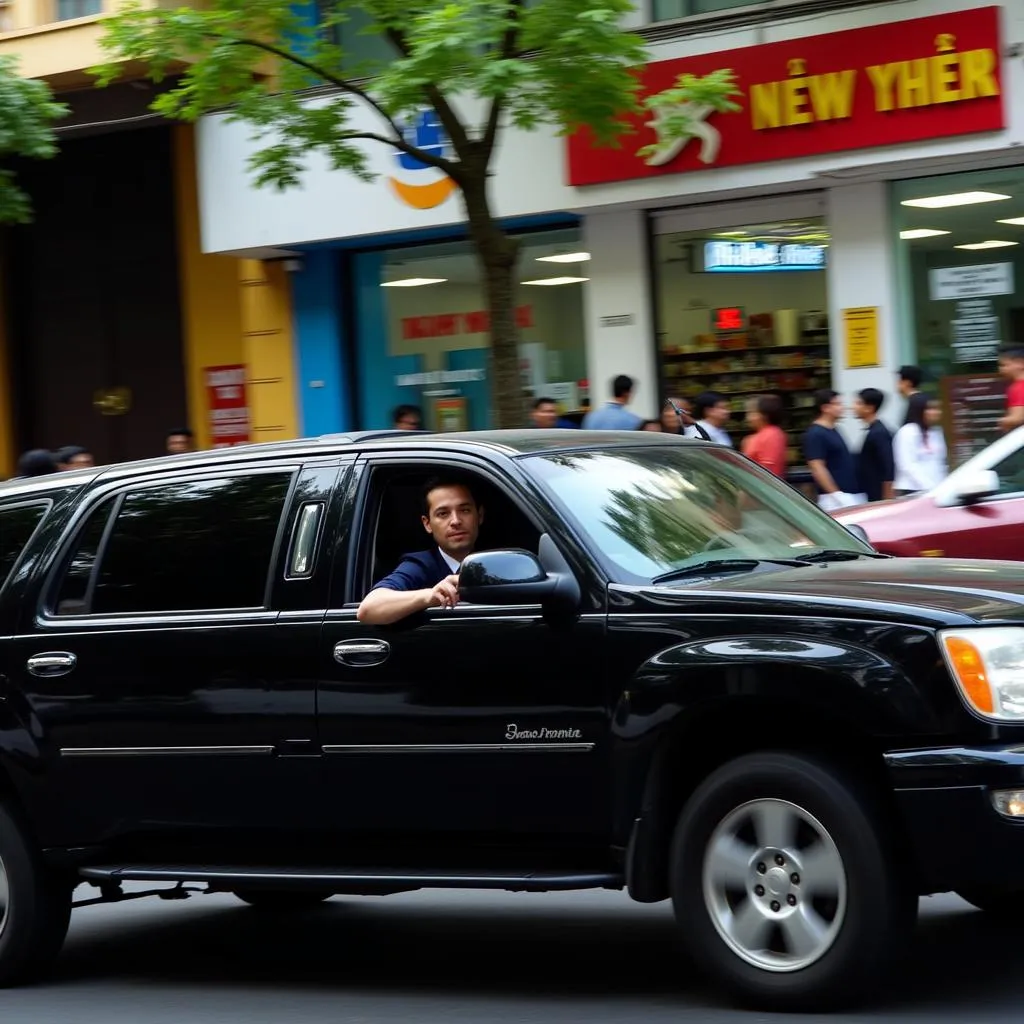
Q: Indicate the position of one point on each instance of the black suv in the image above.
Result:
(668, 672)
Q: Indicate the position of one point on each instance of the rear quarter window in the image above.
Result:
(18, 524)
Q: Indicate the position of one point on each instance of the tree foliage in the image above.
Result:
(481, 65)
(27, 115)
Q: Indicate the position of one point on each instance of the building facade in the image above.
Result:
(864, 210)
(115, 326)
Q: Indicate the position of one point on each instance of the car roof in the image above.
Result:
(512, 443)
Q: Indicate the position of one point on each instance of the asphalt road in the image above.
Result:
(454, 957)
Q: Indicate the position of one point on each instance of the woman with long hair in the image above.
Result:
(919, 448)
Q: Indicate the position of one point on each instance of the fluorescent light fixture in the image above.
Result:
(557, 280)
(412, 282)
(1017, 221)
(954, 199)
(566, 257)
(992, 243)
(922, 233)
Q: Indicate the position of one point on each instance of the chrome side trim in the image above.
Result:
(159, 751)
(458, 748)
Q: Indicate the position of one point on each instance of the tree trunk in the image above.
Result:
(498, 255)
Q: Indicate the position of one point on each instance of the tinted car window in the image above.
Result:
(659, 509)
(16, 528)
(74, 589)
(200, 544)
(1011, 473)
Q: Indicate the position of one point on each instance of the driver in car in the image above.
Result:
(430, 578)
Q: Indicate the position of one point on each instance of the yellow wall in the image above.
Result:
(233, 311)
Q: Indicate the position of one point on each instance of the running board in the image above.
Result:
(347, 878)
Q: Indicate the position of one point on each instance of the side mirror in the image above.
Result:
(516, 576)
(859, 532)
(981, 484)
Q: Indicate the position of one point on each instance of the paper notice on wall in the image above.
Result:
(228, 405)
(976, 331)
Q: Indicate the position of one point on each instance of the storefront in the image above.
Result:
(764, 255)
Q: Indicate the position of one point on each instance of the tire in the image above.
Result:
(37, 910)
(998, 903)
(278, 900)
(852, 887)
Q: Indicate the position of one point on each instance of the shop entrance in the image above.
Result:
(741, 306)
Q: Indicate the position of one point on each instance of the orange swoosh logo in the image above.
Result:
(423, 197)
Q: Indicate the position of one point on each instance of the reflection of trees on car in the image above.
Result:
(664, 529)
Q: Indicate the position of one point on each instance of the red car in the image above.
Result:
(976, 512)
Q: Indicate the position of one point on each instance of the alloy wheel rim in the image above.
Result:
(774, 885)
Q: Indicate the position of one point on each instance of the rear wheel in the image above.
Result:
(281, 899)
(35, 906)
(783, 886)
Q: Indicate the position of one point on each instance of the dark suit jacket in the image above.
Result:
(417, 571)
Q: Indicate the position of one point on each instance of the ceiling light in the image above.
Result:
(954, 199)
(412, 282)
(922, 233)
(557, 280)
(992, 243)
(1018, 221)
(731, 234)
(566, 257)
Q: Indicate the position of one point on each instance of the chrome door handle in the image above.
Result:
(53, 663)
(361, 653)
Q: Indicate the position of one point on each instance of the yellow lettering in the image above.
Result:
(794, 102)
(764, 106)
(882, 78)
(978, 74)
(832, 95)
(912, 84)
(945, 78)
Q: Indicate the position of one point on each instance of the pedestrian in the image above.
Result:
(713, 413)
(920, 448)
(875, 467)
(37, 462)
(768, 445)
(908, 382)
(407, 417)
(74, 456)
(614, 415)
(1011, 366)
(828, 458)
(180, 440)
(652, 425)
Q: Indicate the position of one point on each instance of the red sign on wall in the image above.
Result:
(878, 86)
(447, 325)
(228, 405)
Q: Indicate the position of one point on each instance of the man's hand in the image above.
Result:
(445, 594)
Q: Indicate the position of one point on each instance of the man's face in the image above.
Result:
(861, 409)
(669, 419)
(903, 386)
(454, 520)
(545, 415)
(83, 460)
(1010, 368)
(408, 421)
(718, 415)
(834, 408)
(178, 443)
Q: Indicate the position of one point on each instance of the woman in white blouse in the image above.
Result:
(919, 448)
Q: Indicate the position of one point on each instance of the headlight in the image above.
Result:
(988, 665)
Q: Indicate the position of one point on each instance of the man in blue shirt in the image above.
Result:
(829, 460)
(615, 415)
(429, 579)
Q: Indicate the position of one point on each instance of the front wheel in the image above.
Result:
(35, 906)
(783, 885)
(278, 900)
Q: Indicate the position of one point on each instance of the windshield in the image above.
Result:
(652, 511)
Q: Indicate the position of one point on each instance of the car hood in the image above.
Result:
(929, 589)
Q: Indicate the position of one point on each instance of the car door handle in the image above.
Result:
(361, 653)
(53, 663)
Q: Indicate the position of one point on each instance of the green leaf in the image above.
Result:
(27, 115)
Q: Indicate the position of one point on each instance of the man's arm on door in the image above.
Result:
(384, 604)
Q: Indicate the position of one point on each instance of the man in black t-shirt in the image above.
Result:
(876, 469)
(828, 458)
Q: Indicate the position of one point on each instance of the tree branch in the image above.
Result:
(450, 167)
(343, 84)
(508, 49)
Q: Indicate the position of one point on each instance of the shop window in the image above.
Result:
(960, 264)
(669, 10)
(742, 312)
(423, 330)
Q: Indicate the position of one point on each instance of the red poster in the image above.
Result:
(228, 404)
(883, 85)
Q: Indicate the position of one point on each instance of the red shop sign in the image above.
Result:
(878, 86)
(228, 405)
